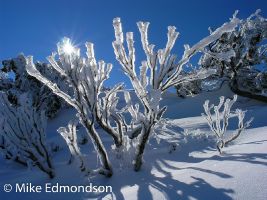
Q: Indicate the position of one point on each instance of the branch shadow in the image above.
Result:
(254, 142)
(166, 186)
(145, 183)
(165, 183)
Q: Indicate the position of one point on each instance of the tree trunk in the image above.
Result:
(117, 139)
(235, 88)
(140, 149)
(107, 169)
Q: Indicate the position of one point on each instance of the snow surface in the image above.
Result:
(194, 170)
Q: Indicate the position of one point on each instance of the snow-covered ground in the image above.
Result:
(194, 170)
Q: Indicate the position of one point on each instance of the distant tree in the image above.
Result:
(42, 97)
(240, 57)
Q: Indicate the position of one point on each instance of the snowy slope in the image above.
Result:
(193, 171)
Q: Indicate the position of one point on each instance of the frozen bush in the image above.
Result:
(158, 72)
(218, 120)
(97, 106)
(86, 76)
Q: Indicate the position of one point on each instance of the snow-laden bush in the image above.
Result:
(85, 76)
(218, 120)
(6, 150)
(22, 134)
(160, 71)
(69, 134)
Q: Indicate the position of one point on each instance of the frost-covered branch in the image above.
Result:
(189, 52)
(218, 120)
(32, 70)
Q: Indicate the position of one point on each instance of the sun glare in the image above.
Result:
(68, 48)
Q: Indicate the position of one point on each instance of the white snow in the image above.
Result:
(194, 170)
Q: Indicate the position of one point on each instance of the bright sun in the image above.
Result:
(68, 48)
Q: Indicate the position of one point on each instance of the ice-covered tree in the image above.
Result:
(218, 120)
(158, 72)
(22, 134)
(240, 57)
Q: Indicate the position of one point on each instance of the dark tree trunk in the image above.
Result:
(141, 147)
(235, 88)
(107, 169)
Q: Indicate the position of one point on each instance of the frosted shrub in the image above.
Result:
(159, 71)
(85, 76)
(22, 134)
(218, 120)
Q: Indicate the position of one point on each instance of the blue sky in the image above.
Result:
(35, 26)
